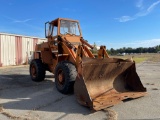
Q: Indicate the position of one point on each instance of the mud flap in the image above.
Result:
(102, 83)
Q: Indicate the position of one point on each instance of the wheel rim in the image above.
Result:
(33, 71)
(61, 77)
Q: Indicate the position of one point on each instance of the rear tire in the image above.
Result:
(65, 76)
(37, 71)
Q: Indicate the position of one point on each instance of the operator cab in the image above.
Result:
(62, 27)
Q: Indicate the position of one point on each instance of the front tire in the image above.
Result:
(37, 71)
(65, 76)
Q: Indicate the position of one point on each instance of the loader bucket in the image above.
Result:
(102, 83)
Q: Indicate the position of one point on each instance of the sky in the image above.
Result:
(114, 23)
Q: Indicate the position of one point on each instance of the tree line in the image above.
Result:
(130, 50)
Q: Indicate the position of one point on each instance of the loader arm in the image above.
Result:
(82, 52)
(102, 52)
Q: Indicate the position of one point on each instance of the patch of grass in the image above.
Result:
(139, 60)
(135, 58)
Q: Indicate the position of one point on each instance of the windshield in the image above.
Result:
(69, 27)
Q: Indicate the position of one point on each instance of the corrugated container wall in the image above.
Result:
(16, 49)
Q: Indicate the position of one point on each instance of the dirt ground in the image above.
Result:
(23, 99)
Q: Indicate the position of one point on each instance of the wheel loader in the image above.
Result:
(97, 82)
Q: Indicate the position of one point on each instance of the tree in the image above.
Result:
(94, 50)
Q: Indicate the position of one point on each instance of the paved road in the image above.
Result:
(20, 98)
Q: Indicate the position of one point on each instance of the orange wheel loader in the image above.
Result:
(97, 82)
